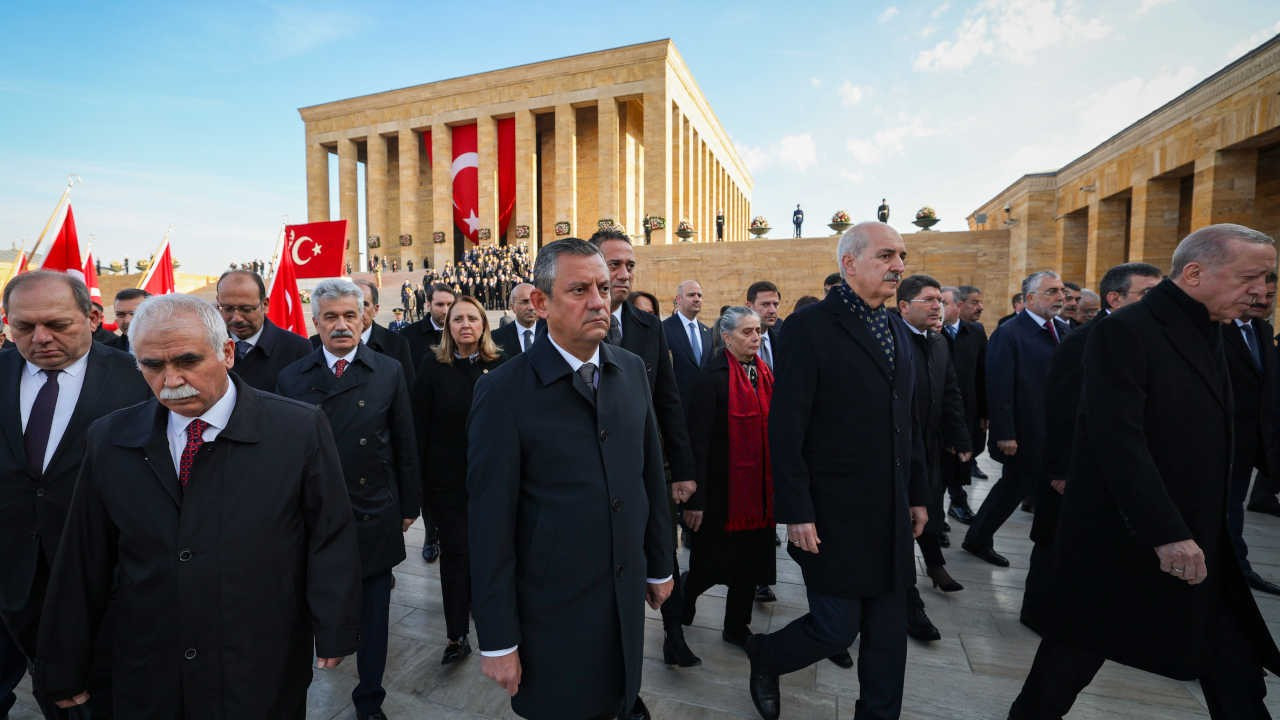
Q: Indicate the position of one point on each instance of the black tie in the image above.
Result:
(528, 340)
(242, 348)
(40, 421)
(951, 331)
(614, 337)
(1252, 341)
(587, 371)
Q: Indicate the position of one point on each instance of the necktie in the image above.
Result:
(614, 337)
(950, 330)
(195, 438)
(765, 353)
(528, 340)
(242, 348)
(695, 343)
(1251, 340)
(587, 371)
(1053, 331)
(340, 367)
(39, 422)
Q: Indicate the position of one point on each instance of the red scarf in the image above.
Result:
(750, 473)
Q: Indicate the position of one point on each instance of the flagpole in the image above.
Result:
(66, 192)
(151, 265)
(275, 256)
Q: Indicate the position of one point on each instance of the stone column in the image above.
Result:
(607, 205)
(679, 169)
(375, 196)
(1153, 222)
(657, 159)
(317, 182)
(1225, 186)
(567, 169)
(1105, 242)
(410, 153)
(441, 193)
(487, 149)
(527, 178)
(348, 207)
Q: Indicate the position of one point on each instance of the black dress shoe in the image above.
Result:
(375, 715)
(989, 554)
(946, 526)
(777, 541)
(920, 627)
(456, 650)
(764, 593)
(1028, 506)
(842, 659)
(639, 711)
(676, 652)
(765, 694)
(1261, 584)
(976, 472)
(961, 514)
(736, 637)
(942, 579)
(431, 552)
(1266, 505)
(944, 540)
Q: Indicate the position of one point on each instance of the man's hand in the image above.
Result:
(73, 701)
(965, 456)
(406, 523)
(693, 519)
(919, 518)
(1184, 560)
(804, 536)
(1059, 485)
(657, 593)
(327, 663)
(504, 670)
(1008, 447)
(683, 490)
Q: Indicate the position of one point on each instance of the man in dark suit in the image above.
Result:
(968, 340)
(576, 502)
(688, 338)
(364, 395)
(642, 334)
(515, 337)
(1143, 570)
(1018, 302)
(214, 522)
(58, 381)
(849, 474)
(1122, 285)
(125, 304)
(381, 339)
(1018, 358)
(262, 348)
(764, 297)
(425, 334)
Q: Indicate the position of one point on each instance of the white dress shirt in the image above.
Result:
(330, 359)
(617, 314)
(252, 339)
(216, 416)
(368, 333)
(70, 381)
(521, 330)
(766, 344)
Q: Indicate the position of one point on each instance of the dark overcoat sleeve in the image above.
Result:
(918, 492)
(795, 382)
(670, 414)
(1062, 399)
(658, 534)
(701, 409)
(980, 376)
(406, 360)
(1002, 379)
(404, 438)
(423, 395)
(333, 558)
(955, 431)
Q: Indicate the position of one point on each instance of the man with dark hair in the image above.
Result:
(1071, 295)
(1017, 301)
(100, 334)
(425, 334)
(829, 282)
(764, 298)
(263, 349)
(126, 303)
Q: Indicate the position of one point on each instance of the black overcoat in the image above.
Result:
(221, 592)
(1018, 357)
(847, 452)
(686, 369)
(940, 411)
(275, 349)
(441, 401)
(1151, 466)
(642, 334)
(569, 516)
(421, 336)
(969, 354)
(744, 557)
(1252, 388)
(372, 422)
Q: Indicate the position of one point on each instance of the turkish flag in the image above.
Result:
(91, 279)
(284, 306)
(466, 181)
(159, 277)
(64, 254)
(506, 173)
(315, 249)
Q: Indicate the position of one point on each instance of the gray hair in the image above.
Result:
(733, 317)
(1086, 293)
(511, 296)
(544, 268)
(1208, 245)
(80, 293)
(855, 240)
(333, 289)
(1033, 281)
(964, 291)
(161, 309)
(955, 292)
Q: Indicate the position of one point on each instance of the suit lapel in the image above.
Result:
(856, 329)
(1187, 341)
(95, 381)
(681, 344)
(144, 428)
(11, 415)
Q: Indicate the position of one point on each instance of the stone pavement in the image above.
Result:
(975, 671)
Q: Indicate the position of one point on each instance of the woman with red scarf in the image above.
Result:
(732, 511)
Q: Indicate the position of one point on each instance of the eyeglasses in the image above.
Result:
(927, 301)
(242, 309)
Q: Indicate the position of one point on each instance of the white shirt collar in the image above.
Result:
(218, 414)
(955, 325)
(254, 338)
(364, 336)
(574, 362)
(1242, 323)
(684, 321)
(75, 369)
(1039, 320)
(913, 329)
(330, 359)
(526, 327)
(618, 314)
(434, 326)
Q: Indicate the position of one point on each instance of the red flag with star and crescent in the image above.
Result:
(466, 181)
(284, 306)
(315, 249)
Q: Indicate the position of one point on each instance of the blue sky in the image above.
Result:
(186, 114)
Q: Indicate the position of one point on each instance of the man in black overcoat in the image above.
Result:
(364, 395)
(514, 336)
(425, 334)
(1122, 285)
(968, 340)
(262, 348)
(214, 522)
(377, 337)
(1143, 570)
(848, 473)
(574, 502)
(686, 360)
(1018, 358)
(44, 440)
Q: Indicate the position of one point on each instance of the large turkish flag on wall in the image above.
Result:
(466, 181)
(506, 173)
(316, 248)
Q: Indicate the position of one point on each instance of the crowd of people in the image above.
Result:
(191, 523)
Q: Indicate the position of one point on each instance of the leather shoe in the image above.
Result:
(920, 627)
(676, 652)
(1261, 584)
(431, 552)
(942, 579)
(765, 693)
(842, 659)
(764, 594)
(639, 711)
(976, 472)
(777, 540)
(961, 514)
(988, 553)
(1029, 506)
(944, 540)
(1266, 505)
(456, 650)
(375, 715)
(738, 637)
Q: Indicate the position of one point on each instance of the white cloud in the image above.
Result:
(888, 14)
(850, 94)
(794, 152)
(927, 30)
(888, 142)
(1147, 6)
(940, 10)
(1251, 42)
(1011, 30)
(853, 177)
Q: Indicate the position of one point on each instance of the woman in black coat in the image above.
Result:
(732, 511)
(441, 402)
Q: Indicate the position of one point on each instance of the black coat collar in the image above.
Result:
(1192, 333)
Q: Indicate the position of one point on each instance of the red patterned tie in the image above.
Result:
(1053, 331)
(195, 438)
(340, 367)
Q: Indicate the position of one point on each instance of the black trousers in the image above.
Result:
(831, 626)
(371, 656)
(1005, 496)
(13, 665)
(956, 475)
(737, 604)
(673, 609)
(455, 571)
(1233, 682)
(1241, 474)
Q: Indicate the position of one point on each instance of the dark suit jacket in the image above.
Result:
(421, 336)
(103, 336)
(118, 342)
(1018, 357)
(682, 362)
(576, 506)
(940, 411)
(847, 452)
(369, 412)
(1253, 388)
(388, 343)
(34, 509)
(220, 592)
(642, 334)
(275, 349)
(1151, 466)
(969, 353)
(508, 338)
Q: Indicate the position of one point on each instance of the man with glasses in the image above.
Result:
(262, 348)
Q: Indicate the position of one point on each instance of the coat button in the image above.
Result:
(897, 463)
(604, 434)
(895, 396)
(616, 504)
(363, 480)
(368, 518)
(359, 403)
(190, 654)
(897, 429)
(619, 570)
(184, 555)
(364, 441)
(39, 492)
